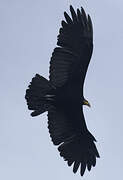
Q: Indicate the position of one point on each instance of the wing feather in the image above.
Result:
(67, 17)
(67, 129)
(74, 17)
(76, 166)
(76, 41)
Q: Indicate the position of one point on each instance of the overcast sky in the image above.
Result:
(28, 31)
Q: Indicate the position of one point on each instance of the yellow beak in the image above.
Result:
(85, 102)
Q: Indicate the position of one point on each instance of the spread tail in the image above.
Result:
(37, 95)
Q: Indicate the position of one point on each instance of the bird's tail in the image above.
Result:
(37, 95)
(80, 150)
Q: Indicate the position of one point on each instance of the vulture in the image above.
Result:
(62, 95)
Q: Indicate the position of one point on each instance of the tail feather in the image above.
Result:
(36, 95)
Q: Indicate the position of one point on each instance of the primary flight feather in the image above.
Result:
(62, 95)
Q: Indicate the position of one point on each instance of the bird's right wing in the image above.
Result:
(76, 143)
(64, 66)
(71, 59)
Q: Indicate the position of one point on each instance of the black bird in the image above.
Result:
(62, 95)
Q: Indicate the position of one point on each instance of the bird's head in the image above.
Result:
(85, 102)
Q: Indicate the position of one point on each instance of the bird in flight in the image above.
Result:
(62, 95)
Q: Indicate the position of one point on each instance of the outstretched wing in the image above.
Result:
(71, 59)
(76, 144)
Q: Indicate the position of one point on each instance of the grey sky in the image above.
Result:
(28, 31)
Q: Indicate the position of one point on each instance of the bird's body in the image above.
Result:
(62, 95)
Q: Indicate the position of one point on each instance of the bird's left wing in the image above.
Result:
(71, 59)
(67, 129)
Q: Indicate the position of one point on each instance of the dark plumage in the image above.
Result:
(62, 95)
